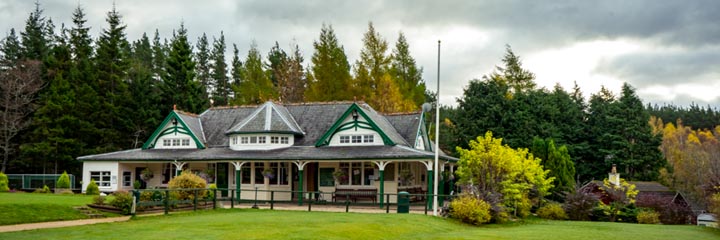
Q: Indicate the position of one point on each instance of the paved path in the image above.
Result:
(58, 224)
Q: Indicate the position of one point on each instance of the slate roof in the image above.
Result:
(309, 121)
(193, 123)
(406, 124)
(269, 118)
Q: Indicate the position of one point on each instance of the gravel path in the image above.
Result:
(58, 224)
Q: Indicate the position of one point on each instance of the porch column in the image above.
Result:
(301, 167)
(238, 166)
(452, 178)
(178, 167)
(381, 165)
(429, 178)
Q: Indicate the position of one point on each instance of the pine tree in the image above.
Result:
(639, 152)
(330, 76)
(179, 87)
(255, 86)
(202, 64)
(112, 65)
(221, 91)
(160, 52)
(405, 71)
(236, 67)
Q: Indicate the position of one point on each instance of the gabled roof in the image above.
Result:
(407, 125)
(187, 123)
(268, 118)
(371, 120)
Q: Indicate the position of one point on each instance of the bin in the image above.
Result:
(403, 202)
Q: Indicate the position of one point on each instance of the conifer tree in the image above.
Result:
(405, 71)
(10, 50)
(202, 64)
(330, 78)
(255, 86)
(160, 52)
(112, 66)
(144, 89)
(236, 66)
(291, 77)
(221, 90)
(558, 162)
(275, 58)
(179, 86)
(35, 40)
(372, 66)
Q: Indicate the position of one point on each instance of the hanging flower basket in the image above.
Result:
(146, 174)
(339, 175)
(268, 173)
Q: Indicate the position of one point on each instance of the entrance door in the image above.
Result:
(222, 177)
(138, 173)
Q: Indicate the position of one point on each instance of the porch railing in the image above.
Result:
(167, 200)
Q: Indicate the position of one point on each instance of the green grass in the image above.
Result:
(20, 207)
(266, 224)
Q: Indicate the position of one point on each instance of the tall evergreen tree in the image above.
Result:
(291, 77)
(144, 89)
(330, 76)
(513, 74)
(405, 71)
(112, 65)
(639, 153)
(255, 86)
(160, 53)
(10, 50)
(179, 87)
(202, 64)
(35, 40)
(275, 58)
(236, 67)
(221, 90)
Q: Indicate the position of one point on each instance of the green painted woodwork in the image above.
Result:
(338, 126)
(178, 172)
(237, 184)
(180, 128)
(429, 194)
(441, 188)
(300, 186)
(382, 187)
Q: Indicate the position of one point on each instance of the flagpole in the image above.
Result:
(437, 138)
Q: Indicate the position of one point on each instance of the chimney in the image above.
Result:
(613, 176)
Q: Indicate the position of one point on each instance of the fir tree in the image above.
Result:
(330, 76)
(275, 57)
(221, 90)
(202, 64)
(144, 89)
(112, 66)
(179, 87)
(35, 40)
(160, 52)
(10, 49)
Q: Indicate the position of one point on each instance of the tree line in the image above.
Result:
(65, 93)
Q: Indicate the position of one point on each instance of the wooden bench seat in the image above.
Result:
(353, 194)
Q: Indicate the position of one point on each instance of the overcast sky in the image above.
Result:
(668, 50)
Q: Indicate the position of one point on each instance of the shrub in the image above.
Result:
(4, 183)
(714, 206)
(187, 180)
(45, 189)
(92, 188)
(470, 210)
(136, 184)
(99, 200)
(579, 205)
(670, 213)
(498, 212)
(123, 201)
(63, 181)
(552, 211)
(211, 193)
(648, 217)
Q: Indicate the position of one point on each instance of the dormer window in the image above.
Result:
(258, 141)
(175, 142)
(357, 139)
(284, 140)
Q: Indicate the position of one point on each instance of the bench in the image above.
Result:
(354, 194)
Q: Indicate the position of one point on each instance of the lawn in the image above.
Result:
(268, 224)
(20, 207)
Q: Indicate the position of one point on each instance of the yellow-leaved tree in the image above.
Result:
(492, 168)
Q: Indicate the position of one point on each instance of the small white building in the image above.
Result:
(707, 220)
(292, 147)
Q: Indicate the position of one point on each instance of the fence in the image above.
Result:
(167, 200)
(34, 181)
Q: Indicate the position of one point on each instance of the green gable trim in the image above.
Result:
(423, 134)
(180, 128)
(340, 126)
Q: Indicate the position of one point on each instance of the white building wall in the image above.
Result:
(93, 166)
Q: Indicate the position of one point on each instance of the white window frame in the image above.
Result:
(102, 178)
(274, 140)
(284, 140)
